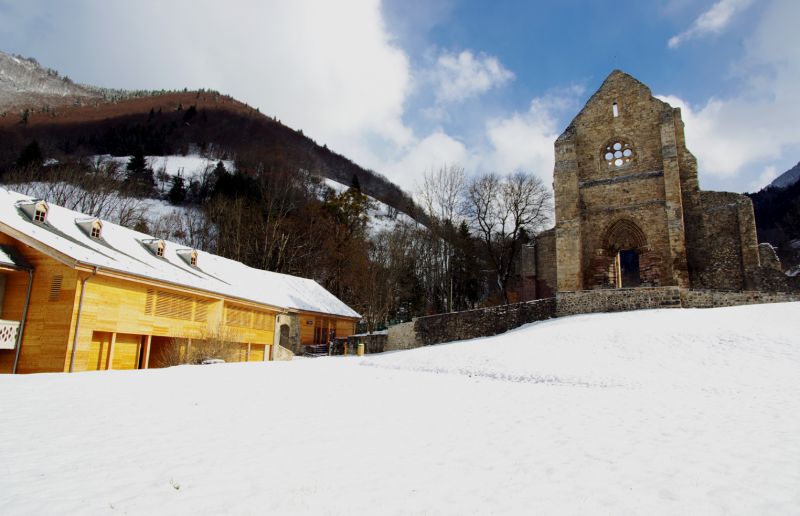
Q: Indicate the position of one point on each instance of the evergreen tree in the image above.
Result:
(139, 175)
(220, 170)
(190, 113)
(31, 156)
(177, 193)
(466, 270)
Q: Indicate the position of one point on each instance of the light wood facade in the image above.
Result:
(126, 322)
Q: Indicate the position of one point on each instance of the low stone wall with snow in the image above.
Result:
(481, 322)
(484, 322)
(716, 298)
(617, 300)
(401, 336)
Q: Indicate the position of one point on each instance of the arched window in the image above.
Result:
(618, 153)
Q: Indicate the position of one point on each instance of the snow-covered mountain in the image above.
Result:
(23, 81)
(788, 178)
(64, 117)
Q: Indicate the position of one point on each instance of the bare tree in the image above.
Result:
(216, 343)
(441, 196)
(505, 211)
(442, 193)
(97, 192)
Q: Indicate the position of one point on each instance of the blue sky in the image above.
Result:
(404, 86)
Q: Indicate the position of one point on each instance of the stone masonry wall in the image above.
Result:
(546, 264)
(715, 253)
(617, 300)
(485, 322)
(481, 322)
(716, 298)
(401, 336)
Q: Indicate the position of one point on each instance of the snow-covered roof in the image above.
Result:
(127, 251)
(9, 257)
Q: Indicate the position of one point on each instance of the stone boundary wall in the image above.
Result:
(401, 336)
(617, 300)
(481, 322)
(717, 298)
(485, 322)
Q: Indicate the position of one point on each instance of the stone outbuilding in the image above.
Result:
(629, 210)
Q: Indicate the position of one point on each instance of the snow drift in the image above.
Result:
(651, 412)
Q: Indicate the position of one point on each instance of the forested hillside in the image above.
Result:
(262, 196)
(778, 220)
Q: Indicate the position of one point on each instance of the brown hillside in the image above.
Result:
(171, 123)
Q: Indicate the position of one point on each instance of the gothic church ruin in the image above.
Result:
(630, 212)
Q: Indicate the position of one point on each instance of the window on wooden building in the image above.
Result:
(40, 212)
(97, 230)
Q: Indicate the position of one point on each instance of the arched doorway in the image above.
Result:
(623, 245)
(284, 337)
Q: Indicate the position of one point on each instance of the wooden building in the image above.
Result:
(79, 294)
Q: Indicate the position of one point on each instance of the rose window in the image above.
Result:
(618, 154)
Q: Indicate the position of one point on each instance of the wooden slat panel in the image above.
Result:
(44, 346)
(126, 351)
(257, 352)
(97, 354)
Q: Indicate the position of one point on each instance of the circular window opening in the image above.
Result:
(618, 154)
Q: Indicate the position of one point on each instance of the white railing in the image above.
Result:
(8, 334)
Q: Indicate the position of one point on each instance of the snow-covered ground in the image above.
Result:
(189, 166)
(656, 412)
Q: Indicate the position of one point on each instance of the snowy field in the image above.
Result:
(657, 412)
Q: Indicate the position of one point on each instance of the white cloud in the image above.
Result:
(759, 125)
(766, 177)
(524, 141)
(519, 141)
(460, 76)
(436, 150)
(713, 21)
(329, 68)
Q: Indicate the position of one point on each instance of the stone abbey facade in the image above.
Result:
(629, 211)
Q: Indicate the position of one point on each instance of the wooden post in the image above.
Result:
(248, 352)
(188, 349)
(148, 339)
(111, 351)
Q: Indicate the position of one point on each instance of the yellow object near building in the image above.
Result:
(81, 294)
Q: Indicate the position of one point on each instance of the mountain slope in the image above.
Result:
(788, 178)
(24, 82)
(70, 121)
(777, 210)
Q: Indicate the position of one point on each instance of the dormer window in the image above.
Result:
(35, 209)
(188, 255)
(91, 226)
(40, 212)
(156, 246)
